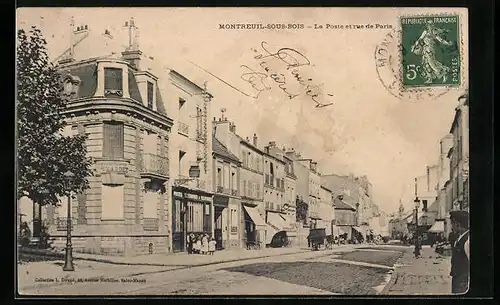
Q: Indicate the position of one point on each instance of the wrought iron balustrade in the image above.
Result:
(155, 164)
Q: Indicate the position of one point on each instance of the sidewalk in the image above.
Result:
(426, 275)
(189, 260)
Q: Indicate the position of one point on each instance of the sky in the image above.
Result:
(366, 131)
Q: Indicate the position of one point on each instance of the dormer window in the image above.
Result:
(113, 82)
(150, 95)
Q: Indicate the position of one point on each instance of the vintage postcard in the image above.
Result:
(242, 151)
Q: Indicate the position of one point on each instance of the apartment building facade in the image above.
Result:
(121, 108)
(275, 194)
(327, 210)
(459, 156)
(227, 199)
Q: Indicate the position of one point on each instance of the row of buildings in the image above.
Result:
(445, 186)
(165, 168)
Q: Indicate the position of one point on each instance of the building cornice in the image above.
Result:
(182, 80)
(274, 157)
(225, 158)
(121, 105)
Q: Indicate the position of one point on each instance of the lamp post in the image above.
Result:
(417, 237)
(68, 259)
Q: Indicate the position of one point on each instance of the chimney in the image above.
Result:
(314, 166)
(107, 34)
(222, 132)
(255, 139)
(132, 54)
(232, 127)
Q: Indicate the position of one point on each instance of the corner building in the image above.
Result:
(121, 108)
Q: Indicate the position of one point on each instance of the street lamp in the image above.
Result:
(68, 259)
(417, 241)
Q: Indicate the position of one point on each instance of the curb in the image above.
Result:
(394, 276)
(181, 266)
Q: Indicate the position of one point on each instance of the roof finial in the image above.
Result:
(222, 110)
(132, 34)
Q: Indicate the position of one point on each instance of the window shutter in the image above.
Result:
(113, 140)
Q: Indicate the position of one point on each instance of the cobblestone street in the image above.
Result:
(346, 270)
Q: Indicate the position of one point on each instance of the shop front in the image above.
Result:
(255, 227)
(192, 213)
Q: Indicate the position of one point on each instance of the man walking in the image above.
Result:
(460, 252)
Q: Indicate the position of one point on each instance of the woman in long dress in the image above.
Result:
(204, 244)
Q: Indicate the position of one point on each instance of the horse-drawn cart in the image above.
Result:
(318, 238)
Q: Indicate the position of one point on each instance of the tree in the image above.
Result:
(301, 210)
(44, 154)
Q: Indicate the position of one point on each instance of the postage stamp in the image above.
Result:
(431, 51)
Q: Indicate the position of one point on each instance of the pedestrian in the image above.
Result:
(204, 244)
(190, 240)
(211, 246)
(460, 253)
(198, 244)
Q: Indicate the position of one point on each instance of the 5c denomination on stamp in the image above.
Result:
(430, 51)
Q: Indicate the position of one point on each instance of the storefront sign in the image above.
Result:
(112, 167)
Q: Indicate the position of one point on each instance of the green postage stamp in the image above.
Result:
(431, 51)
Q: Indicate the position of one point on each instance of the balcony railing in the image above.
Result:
(151, 224)
(154, 164)
(183, 128)
(62, 223)
(223, 190)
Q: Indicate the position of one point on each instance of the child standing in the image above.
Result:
(211, 246)
(198, 245)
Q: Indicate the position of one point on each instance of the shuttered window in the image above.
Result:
(113, 79)
(150, 95)
(113, 140)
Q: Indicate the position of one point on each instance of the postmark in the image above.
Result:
(392, 53)
(430, 50)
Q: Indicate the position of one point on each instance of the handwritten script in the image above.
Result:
(287, 69)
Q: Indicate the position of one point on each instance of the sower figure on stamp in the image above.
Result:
(426, 47)
(460, 252)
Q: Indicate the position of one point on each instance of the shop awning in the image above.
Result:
(438, 227)
(344, 229)
(358, 229)
(255, 216)
(277, 221)
(270, 231)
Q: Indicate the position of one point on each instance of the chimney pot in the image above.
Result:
(86, 27)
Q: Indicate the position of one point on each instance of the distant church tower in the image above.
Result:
(401, 209)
